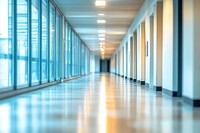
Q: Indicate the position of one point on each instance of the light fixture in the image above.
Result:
(102, 53)
(101, 14)
(101, 31)
(101, 39)
(102, 46)
(102, 43)
(102, 35)
(100, 3)
(101, 21)
(102, 50)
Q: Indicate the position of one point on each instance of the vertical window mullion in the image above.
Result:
(54, 45)
(48, 41)
(40, 41)
(14, 43)
(29, 42)
(71, 52)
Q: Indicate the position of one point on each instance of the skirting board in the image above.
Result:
(192, 102)
(170, 93)
(157, 88)
(142, 82)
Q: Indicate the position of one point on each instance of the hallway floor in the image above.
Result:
(98, 103)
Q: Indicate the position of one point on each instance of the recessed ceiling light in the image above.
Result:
(101, 39)
(102, 49)
(102, 35)
(100, 3)
(101, 21)
(100, 14)
(102, 43)
(101, 31)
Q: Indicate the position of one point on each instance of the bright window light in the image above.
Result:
(100, 3)
(101, 21)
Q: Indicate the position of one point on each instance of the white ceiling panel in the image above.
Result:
(83, 16)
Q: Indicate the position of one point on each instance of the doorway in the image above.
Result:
(105, 65)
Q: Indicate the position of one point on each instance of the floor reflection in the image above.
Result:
(98, 103)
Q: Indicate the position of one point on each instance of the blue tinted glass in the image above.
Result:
(35, 41)
(22, 42)
(52, 43)
(44, 41)
(5, 44)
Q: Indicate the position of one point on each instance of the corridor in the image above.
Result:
(97, 103)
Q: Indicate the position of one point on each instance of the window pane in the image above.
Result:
(22, 42)
(5, 44)
(66, 51)
(83, 60)
(73, 53)
(35, 42)
(69, 52)
(52, 43)
(57, 44)
(44, 40)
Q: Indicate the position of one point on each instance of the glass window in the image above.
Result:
(69, 58)
(73, 53)
(35, 42)
(44, 41)
(79, 56)
(66, 51)
(83, 60)
(58, 17)
(22, 42)
(5, 44)
(52, 43)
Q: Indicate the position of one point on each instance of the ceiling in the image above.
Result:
(83, 16)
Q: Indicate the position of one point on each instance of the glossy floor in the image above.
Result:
(98, 103)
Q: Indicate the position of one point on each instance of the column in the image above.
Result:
(158, 42)
(191, 52)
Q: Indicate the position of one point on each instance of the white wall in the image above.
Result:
(147, 58)
(167, 81)
(128, 58)
(124, 60)
(158, 40)
(165, 45)
(138, 54)
(118, 62)
(131, 56)
(142, 50)
(92, 63)
(191, 49)
(112, 64)
(135, 55)
(97, 64)
(151, 52)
